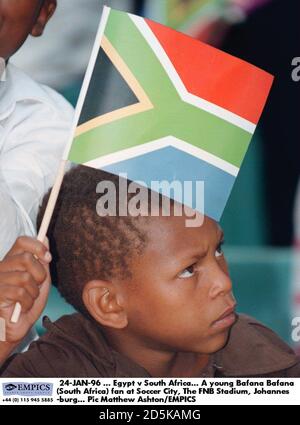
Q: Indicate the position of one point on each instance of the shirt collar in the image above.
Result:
(253, 350)
(2, 69)
(7, 102)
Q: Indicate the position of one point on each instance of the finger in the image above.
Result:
(46, 243)
(22, 280)
(33, 246)
(25, 262)
(49, 258)
(16, 294)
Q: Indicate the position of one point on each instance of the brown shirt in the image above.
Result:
(75, 347)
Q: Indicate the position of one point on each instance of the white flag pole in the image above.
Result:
(45, 222)
(60, 174)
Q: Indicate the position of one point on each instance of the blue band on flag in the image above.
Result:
(159, 165)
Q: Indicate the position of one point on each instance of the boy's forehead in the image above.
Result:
(170, 234)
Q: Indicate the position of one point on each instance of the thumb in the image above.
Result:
(46, 242)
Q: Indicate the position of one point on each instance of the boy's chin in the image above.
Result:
(216, 343)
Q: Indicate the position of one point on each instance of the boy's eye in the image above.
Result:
(187, 272)
(219, 250)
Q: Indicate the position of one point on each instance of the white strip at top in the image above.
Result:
(164, 142)
(187, 97)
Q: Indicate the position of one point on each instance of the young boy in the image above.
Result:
(35, 124)
(154, 298)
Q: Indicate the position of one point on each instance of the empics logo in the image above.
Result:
(10, 387)
(27, 388)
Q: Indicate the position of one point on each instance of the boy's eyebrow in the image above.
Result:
(192, 256)
(198, 255)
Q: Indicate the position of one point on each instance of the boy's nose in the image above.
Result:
(220, 282)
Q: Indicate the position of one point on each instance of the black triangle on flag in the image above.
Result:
(107, 92)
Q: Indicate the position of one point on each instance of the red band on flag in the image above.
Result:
(214, 75)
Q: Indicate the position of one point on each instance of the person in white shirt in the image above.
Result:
(35, 124)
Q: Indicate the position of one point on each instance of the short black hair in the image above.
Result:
(84, 245)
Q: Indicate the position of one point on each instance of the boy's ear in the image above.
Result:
(47, 10)
(105, 303)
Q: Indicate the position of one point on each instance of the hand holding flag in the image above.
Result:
(25, 278)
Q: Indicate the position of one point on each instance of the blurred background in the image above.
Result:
(262, 219)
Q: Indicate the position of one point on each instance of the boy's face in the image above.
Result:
(18, 19)
(179, 288)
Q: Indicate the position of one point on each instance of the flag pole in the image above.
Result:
(59, 178)
(45, 223)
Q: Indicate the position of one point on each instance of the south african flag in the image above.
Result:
(183, 110)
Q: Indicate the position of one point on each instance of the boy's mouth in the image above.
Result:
(226, 319)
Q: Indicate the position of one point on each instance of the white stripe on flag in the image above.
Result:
(187, 97)
(135, 151)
